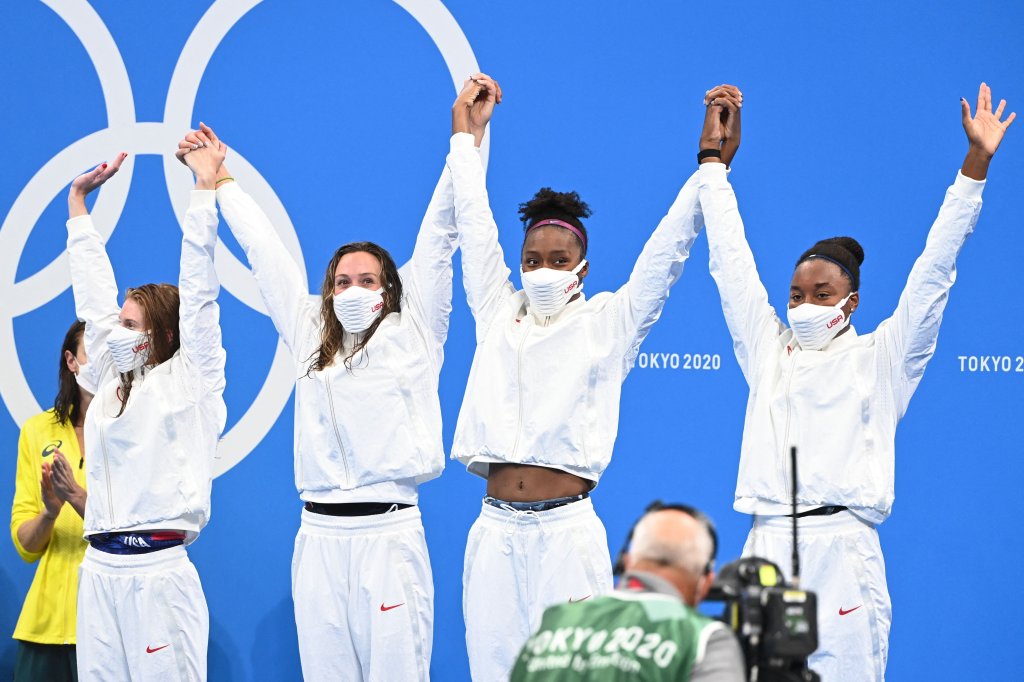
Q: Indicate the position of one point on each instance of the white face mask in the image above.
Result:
(356, 308)
(82, 379)
(128, 348)
(549, 290)
(815, 325)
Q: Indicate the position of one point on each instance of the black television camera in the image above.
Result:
(776, 625)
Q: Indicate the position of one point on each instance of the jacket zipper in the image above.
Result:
(106, 473)
(334, 423)
(519, 387)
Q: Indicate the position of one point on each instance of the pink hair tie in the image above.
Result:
(561, 223)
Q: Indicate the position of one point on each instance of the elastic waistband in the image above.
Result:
(323, 524)
(354, 508)
(565, 514)
(126, 564)
(538, 506)
(843, 521)
(136, 542)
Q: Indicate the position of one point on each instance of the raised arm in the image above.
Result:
(199, 314)
(92, 277)
(661, 263)
(284, 290)
(750, 317)
(913, 329)
(427, 277)
(484, 273)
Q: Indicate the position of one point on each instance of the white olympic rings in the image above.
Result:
(124, 132)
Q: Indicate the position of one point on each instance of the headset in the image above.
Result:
(657, 505)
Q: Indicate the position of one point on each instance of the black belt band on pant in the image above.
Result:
(353, 508)
(827, 510)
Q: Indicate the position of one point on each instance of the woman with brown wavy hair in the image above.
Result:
(367, 353)
(158, 368)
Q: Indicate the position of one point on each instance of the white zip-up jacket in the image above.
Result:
(839, 406)
(150, 468)
(545, 390)
(372, 432)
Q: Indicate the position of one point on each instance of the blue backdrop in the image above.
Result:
(338, 116)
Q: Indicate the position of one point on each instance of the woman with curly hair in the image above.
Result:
(541, 409)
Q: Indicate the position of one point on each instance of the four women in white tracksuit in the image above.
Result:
(538, 420)
(541, 408)
(156, 366)
(368, 351)
(836, 396)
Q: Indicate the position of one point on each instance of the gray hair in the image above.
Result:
(674, 538)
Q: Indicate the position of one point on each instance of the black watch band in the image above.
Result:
(708, 154)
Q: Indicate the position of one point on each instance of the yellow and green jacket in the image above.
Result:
(48, 615)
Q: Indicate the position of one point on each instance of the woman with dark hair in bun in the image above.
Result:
(541, 409)
(835, 395)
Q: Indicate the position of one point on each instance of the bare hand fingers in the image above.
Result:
(965, 112)
(713, 94)
(208, 131)
(721, 91)
(731, 89)
(201, 136)
(981, 99)
(1009, 120)
(116, 164)
(469, 89)
(729, 101)
(999, 110)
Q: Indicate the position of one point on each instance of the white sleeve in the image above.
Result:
(95, 292)
(659, 266)
(484, 273)
(199, 314)
(427, 277)
(282, 286)
(752, 321)
(912, 331)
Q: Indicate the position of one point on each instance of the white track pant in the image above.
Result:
(840, 560)
(141, 617)
(364, 597)
(518, 564)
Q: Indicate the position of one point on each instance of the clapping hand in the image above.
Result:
(52, 503)
(64, 484)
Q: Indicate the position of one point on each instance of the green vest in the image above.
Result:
(625, 635)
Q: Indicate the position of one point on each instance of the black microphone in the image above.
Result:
(796, 553)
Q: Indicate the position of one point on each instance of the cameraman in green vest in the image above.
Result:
(647, 629)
